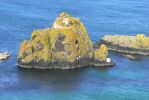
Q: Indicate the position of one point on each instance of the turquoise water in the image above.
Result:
(128, 80)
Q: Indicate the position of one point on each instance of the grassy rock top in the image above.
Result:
(140, 41)
(65, 42)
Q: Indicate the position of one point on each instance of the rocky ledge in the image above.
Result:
(132, 45)
(65, 45)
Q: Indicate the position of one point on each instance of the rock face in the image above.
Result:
(138, 44)
(65, 45)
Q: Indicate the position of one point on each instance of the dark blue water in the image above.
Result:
(128, 80)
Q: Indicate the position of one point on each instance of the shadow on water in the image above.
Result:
(56, 79)
(14, 78)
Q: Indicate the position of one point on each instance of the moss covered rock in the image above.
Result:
(65, 45)
(101, 53)
(138, 44)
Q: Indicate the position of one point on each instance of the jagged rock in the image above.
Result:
(65, 45)
(4, 55)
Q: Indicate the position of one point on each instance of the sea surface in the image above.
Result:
(128, 80)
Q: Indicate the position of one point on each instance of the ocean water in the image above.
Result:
(128, 80)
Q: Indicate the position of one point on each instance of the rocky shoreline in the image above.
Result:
(66, 66)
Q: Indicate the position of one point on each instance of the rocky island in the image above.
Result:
(65, 45)
(130, 45)
(4, 56)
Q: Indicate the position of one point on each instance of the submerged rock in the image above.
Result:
(134, 45)
(132, 57)
(4, 55)
(65, 45)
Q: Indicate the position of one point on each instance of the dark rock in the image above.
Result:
(59, 46)
(61, 38)
(132, 57)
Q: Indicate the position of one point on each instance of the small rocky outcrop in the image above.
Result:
(132, 57)
(65, 45)
(4, 55)
(134, 45)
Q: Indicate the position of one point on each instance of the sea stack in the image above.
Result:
(65, 45)
(135, 45)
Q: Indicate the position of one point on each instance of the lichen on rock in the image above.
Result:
(101, 53)
(66, 43)
(142, 41)
(138, 44)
